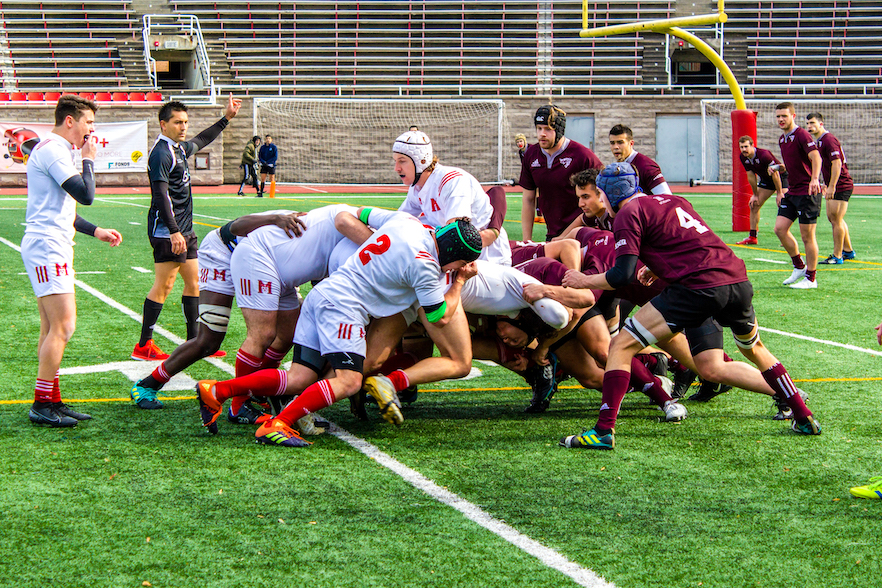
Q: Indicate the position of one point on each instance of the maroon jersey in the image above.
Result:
(795, 147)
(649, 174)
(524, 251)
(499, 205)
(759, 164)
(599, 256)
(557, 198)
(830, 149)
(605, 222)
(666, 234)
(550, 272)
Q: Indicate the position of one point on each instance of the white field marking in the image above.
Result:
(487, 362)
(146, 206)
(134, 371)
(137, 318)
(771, 260)
(473, 373)
(548, 556)
(134, 223)
(141, 270)
(824, 341)
(314, 189)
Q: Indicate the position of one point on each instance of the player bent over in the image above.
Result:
(54, 189)
(216, 294)
(705, 280)
(401, 263)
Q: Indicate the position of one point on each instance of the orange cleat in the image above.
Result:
(275, 432)
(748, 241)
(150, 351)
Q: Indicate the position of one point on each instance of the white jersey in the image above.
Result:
(51, 210)
(397, 266)
(449, 193)
(305, 258)
(500, 290)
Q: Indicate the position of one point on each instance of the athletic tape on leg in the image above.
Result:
(639, 332)
(214, 316)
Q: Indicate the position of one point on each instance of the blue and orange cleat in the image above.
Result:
(209, 406)
(275, 432)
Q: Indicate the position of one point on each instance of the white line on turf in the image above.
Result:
(771, 260)
(141, 270)
(548, 556)
(824, 341)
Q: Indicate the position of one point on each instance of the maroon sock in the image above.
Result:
(399, 380)
(810, 274)
(262, 383)
(315, 397)
(780, 381)
(797, 262)
(615, 385)
(642, 379)
(647, 359)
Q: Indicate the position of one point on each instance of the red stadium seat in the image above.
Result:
(52, 96)
(136, 97)
(103, 96)
(87, 95)
(35, 97)
(18, 97)
(154, 97)
(4, 96)
(120, 96)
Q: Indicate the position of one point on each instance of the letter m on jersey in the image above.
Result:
(264, 287)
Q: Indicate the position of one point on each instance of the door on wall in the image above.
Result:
(678, 143)
(581, 130)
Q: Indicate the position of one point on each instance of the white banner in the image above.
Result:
(122, 147)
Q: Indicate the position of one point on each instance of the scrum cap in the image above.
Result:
(417, 146)
(458, 241)
(554, 117)
(618, 181)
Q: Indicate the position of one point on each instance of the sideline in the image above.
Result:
(550, 558)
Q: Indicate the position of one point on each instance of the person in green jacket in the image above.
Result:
(249, 163)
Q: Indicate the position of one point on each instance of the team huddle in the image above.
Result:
(439, 272)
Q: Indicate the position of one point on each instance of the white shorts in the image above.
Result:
(49, 262)
(257, 282)
(214, 265)
(328, 328)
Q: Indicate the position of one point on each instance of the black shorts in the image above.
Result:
(702, 338)
(266, 168)
(804, 208)
(770, 185)
(162, 251)
(842, 196)
(730, 305)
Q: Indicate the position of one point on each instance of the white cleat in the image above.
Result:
(804, 284)
(796, 276)
(674, 411)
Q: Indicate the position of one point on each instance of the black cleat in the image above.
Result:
(67, 411)
(45, 413)
(682, 381)
(661, 365)
(356, 405)
(708, 391)
(409, 395)
(784, 412)
(541, 380)
(248, 415)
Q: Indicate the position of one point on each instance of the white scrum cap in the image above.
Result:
(417, 146)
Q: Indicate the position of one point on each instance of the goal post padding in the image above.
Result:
(349, 141)
(743, 123)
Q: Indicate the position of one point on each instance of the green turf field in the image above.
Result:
(727, 498)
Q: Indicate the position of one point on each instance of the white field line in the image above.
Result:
(549, 557)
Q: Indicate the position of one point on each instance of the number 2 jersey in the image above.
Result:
(666, 234)
(393, 269)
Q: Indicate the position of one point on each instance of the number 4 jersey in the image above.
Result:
(397, 266)
(666, 234)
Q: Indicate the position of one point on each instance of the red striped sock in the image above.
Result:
(314, 398)
(160, 375)
(43, 390)
(56, 389)
(246, 364)
(272, 359)
(262, 383)
(615, 386)
(781, 382)
(399, 379)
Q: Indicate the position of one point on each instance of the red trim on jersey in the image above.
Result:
(447, 178)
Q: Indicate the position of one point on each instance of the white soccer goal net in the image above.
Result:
(349, 141)
(854, 122)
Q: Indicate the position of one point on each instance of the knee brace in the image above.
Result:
(749, 340)
(214, 316)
